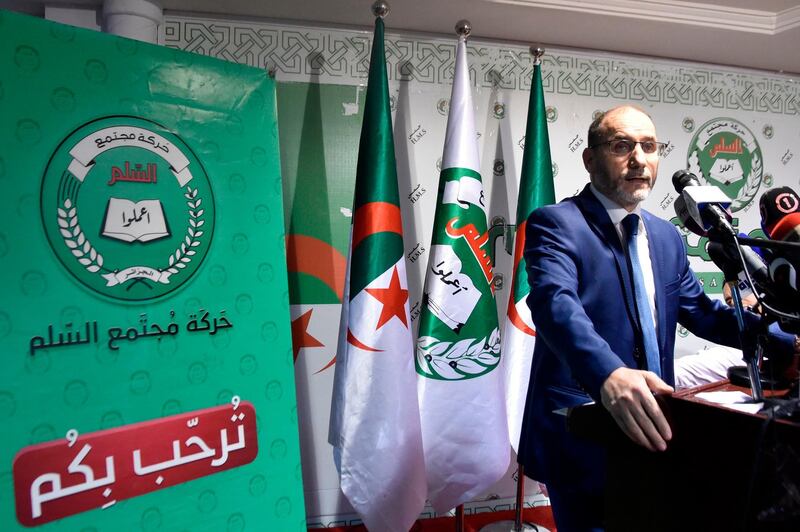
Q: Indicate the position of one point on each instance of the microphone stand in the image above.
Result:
(713, 223)
(751, 356)
(770, 244)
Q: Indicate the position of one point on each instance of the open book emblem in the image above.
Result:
(128, 221)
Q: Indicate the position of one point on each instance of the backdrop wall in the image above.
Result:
(748, 119)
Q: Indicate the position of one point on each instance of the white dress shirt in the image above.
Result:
(617, 214)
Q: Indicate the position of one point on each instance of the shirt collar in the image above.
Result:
(615, 212)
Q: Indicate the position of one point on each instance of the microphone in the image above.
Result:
(780, 214)
(727, 259)
(783, 273)
(705, 205)
(780, 220)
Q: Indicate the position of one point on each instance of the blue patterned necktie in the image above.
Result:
(631, 225)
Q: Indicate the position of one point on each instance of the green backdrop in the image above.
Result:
(58, 85)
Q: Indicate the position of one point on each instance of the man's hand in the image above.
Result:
(628, 395)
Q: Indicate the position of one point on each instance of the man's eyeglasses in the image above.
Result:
(626, 146)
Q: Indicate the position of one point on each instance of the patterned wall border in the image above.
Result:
(302, 53)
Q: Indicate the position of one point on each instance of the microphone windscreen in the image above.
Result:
(780, 214)
(683, 178)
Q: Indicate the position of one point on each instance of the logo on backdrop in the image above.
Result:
(725, 153)
(127, 208)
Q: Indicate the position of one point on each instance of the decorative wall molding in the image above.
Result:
(690, 13)
(329, 55)
(788, 19)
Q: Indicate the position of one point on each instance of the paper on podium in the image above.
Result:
(735, 400)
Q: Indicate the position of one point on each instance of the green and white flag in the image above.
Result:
(535, 190)
(375, 423)
(462, 403)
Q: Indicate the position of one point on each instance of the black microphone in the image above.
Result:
(727, 259)
(780, 219)
(703, 205)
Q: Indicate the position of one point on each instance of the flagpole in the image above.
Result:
(460, 518)
(520, 497)
(537, 53)
(518, 525)
(463, 29)
(458, 358)
(374, 427)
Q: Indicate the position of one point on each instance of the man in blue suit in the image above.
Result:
(607, 290)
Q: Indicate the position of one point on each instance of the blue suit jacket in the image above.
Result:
(582, 306)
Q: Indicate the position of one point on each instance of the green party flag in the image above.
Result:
(535, 190)
(461, 394)
(375, 424)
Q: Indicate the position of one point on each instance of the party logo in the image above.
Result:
(724, 153)
(127, 208)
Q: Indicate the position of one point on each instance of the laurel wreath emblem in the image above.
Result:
(182, 256)
(464, 359)
(76, 240)
(749, 191)
(83, 250)
(129, 243)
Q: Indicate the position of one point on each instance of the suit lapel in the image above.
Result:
(598, 220)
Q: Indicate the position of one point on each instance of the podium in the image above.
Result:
(723, 469)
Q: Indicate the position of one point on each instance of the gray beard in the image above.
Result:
(624, 198)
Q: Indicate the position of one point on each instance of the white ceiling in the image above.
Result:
(761, 34)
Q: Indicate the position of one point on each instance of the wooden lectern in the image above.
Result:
(723, 470)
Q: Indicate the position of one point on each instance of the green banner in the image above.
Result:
(147, 375)
(318, 157)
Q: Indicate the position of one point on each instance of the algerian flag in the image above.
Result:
(375, 424)
(535, 190)
(462, 403)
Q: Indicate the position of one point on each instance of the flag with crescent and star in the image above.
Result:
(535, 190)
(375, 424)
(461, 394)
